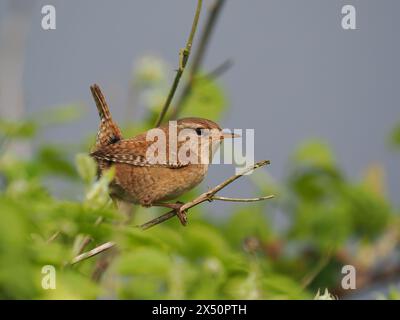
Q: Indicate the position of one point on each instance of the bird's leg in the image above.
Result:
(177, 207)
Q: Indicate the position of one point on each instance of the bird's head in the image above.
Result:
(202, 136)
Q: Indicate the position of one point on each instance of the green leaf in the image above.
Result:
(314, 153)
(86, 167)
(207, 100)
(144, 261)
(98, 194)
(59, 115)
(53, 160)
(276, 286)
(370, 214)
(244, 287)
(325, 225)
(246, 222)
(203, 240)
(22, 129)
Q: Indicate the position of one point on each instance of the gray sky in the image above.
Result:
(297, 74)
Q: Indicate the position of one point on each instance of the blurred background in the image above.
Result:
(324, 105)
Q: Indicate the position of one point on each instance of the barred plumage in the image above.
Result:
(108, 132)
(138, 179)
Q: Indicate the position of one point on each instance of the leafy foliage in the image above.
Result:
(207, 100)
(331, 221)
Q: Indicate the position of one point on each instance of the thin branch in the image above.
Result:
(206, 196)
(85, 242)
(93, 252)
(199, 55)
(183, 59)
(219, 70)
(88, 239)
(242, 199)
(53, 237)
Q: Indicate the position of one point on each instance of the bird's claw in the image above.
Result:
(182, 215)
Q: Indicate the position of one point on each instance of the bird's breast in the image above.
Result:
(147, 185)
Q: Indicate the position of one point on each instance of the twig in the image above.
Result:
(219, 70)
(85, 242)
(199, 55)
(87, 239)
(53, 237)
(102, 265)
(93, 252)
(206, 196)
(242, 199)
(183, 59)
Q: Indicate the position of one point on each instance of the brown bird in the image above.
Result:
(139, 179)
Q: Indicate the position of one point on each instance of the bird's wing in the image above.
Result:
(134, 152)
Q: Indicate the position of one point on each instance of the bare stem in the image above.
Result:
(183, 59)
(93, 252)
(53, 237)
(219, 70)
(242, 199)
(199, 55)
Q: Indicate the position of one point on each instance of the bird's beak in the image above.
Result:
(229, 135)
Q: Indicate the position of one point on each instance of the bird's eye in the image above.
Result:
(198, 131)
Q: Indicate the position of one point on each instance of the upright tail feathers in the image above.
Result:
(109, 132)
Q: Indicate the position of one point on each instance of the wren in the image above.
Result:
(141, 180)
